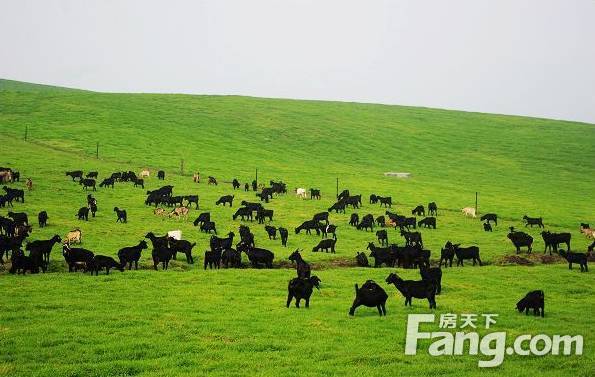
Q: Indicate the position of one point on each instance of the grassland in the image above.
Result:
(187, 321)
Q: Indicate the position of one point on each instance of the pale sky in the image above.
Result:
(526, 57)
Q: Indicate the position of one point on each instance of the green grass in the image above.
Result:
(187, 321)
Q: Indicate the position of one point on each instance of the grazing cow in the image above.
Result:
(107, 182)
(212, 181)
(284, 234)
(243, 212)
(83, 214)
(552, 240)
(533, 300)
(579, 258)
(418, 211)
(302, 267)
(370, 295)
(411, 288)
(361, 259)
(469, 211)
(42, 218)
(180, 212)
(354, 219)
(490, 217)
(301, 288)
(100, 262)
(75, 174)
(382, 236)
(308, 226)
(129, 255)
(122, 217)
(161, 175)
(432, 209)
(203, 217)
(386, 201)
(301, 193)
(487, 227)
(86, 183)
(271, 231)
(520, 239)
(427, 222)
(314, 193)
(325, 245)
(208, 226)
(225, 199)
(322, 216)
(533, 221)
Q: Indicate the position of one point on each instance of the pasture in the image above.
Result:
(188, 321)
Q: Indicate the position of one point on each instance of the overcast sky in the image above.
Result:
(528, 57)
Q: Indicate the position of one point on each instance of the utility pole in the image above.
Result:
(97, 151)
(182, 167)
(256, 177)
(476, 194)
(26, 131)
(337, 187)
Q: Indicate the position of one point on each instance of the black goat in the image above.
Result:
(462, 253)
(361, 259)
(212, 259)
(161, 175)
(231, 257)
(244, 213)
(182, 246)
(121, 214)
(533, 300)
(301, 288)
(490, 217)
(370, 295)
(235, 183)
(208, 226)
(381, 221)
(217, 243)
(382, 236)
(203, 217)
(139, 182)
(432, 209)
(338, 207)
(86, 183)
(191, 199)
(225, 199)
(107, 182)
(83, 214)
(263, 213)
(579, 258)
(322, 216)
(302, 267)
(75, 174)
(412, 288)
(76, 257)
(284, 234)
(271, 231)
(487, 227)
(257, 256)
(382, 255)
(412, 238)
(314, 193)
(552, 240)
(162, 254)
(427, 222)
(433, 275)
(308, 226)
(100, 262)
(419, 211)
(19, 218)
(367, 222)
(42, 219)
(386, 201)
(326, 245)
(354, 219)
(92, 174)
(533, 221)
(22, 263)
(129, 255)
(373, 198)
(41, 249)
(520, 239)
(325, 230)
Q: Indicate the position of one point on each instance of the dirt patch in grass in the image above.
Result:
(528, 259)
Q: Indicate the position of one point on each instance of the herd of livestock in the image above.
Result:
(33, 256)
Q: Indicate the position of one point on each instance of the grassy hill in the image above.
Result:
(188, 321)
